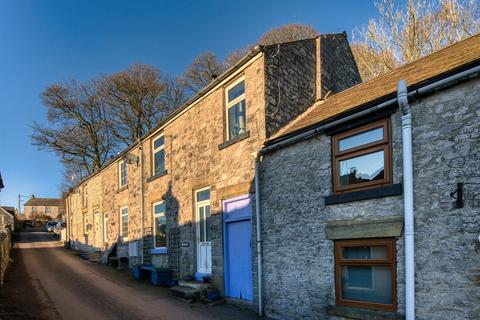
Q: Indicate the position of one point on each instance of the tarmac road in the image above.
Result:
(68, 287)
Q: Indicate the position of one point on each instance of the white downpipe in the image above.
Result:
(408, 200)
(259, 235)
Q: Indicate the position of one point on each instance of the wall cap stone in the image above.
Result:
(354, 229)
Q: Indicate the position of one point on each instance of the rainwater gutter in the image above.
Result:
(259, 234)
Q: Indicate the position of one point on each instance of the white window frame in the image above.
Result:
(120, 172)
(155, 215)
(105, 227)
(155, 150)
(230, 104)
(85, 223)
(85, 197)
(121, 222)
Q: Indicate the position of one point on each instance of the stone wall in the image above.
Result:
(290, 75)
(298, 258)
(5, 245)
(338, 70)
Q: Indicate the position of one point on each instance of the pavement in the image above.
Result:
(47, 281)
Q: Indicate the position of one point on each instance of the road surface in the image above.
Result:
(50, 282)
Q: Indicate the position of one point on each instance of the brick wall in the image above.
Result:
(298, 258)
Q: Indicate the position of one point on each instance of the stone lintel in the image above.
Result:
(353, 229)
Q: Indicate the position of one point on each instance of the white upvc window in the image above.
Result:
(122, 173)
(124, 222)
(235, 109)
(158, 154)
(160, 225)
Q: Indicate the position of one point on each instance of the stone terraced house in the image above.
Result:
(370, 200)
(181, 198)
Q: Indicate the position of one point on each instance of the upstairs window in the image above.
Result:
(122, 174)
(160, 225)
(361, 157)
(47, 210)
(124, 222)
(158, 155)
(365, 273)
(236, 116)
(85, 197)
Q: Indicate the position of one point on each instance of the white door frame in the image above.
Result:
(208, 259)
(105, 227)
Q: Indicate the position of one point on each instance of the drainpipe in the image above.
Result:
(259, 235)
(142, 191)
(408, 200)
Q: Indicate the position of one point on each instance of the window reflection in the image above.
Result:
(364, 168)
(360, 139)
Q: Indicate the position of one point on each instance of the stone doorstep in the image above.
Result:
(184, 292)
(200, 286)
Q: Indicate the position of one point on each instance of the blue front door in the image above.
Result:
(238, 248)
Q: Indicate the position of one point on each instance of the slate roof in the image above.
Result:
(436, 65)
(50, 202)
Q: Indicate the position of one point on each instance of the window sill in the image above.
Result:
(122, 188)
(380, 192)
(363, 314)
(158, 175)
(234, 140)
(159, 250)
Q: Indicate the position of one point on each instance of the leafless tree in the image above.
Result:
(133, 100)
(235, 56)
(287, 33)
(408, 31)
(174, 95)
(201, 72)
(77, 131)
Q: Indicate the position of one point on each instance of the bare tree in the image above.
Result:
(408, 31)
(77, 131)
(174, 95)
(235, 56)
(201, 72)
(133, 99)
(287, 33)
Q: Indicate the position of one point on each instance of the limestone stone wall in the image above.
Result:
(298, 258)
(290, 80)
(338, 70)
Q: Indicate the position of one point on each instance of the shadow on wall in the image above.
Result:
(154, 250)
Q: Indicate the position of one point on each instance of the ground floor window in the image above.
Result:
(365, 272)
(160, 225)
(124, 222)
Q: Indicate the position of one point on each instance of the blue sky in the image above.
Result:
(46, 41)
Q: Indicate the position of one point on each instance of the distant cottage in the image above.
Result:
(47, 207)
